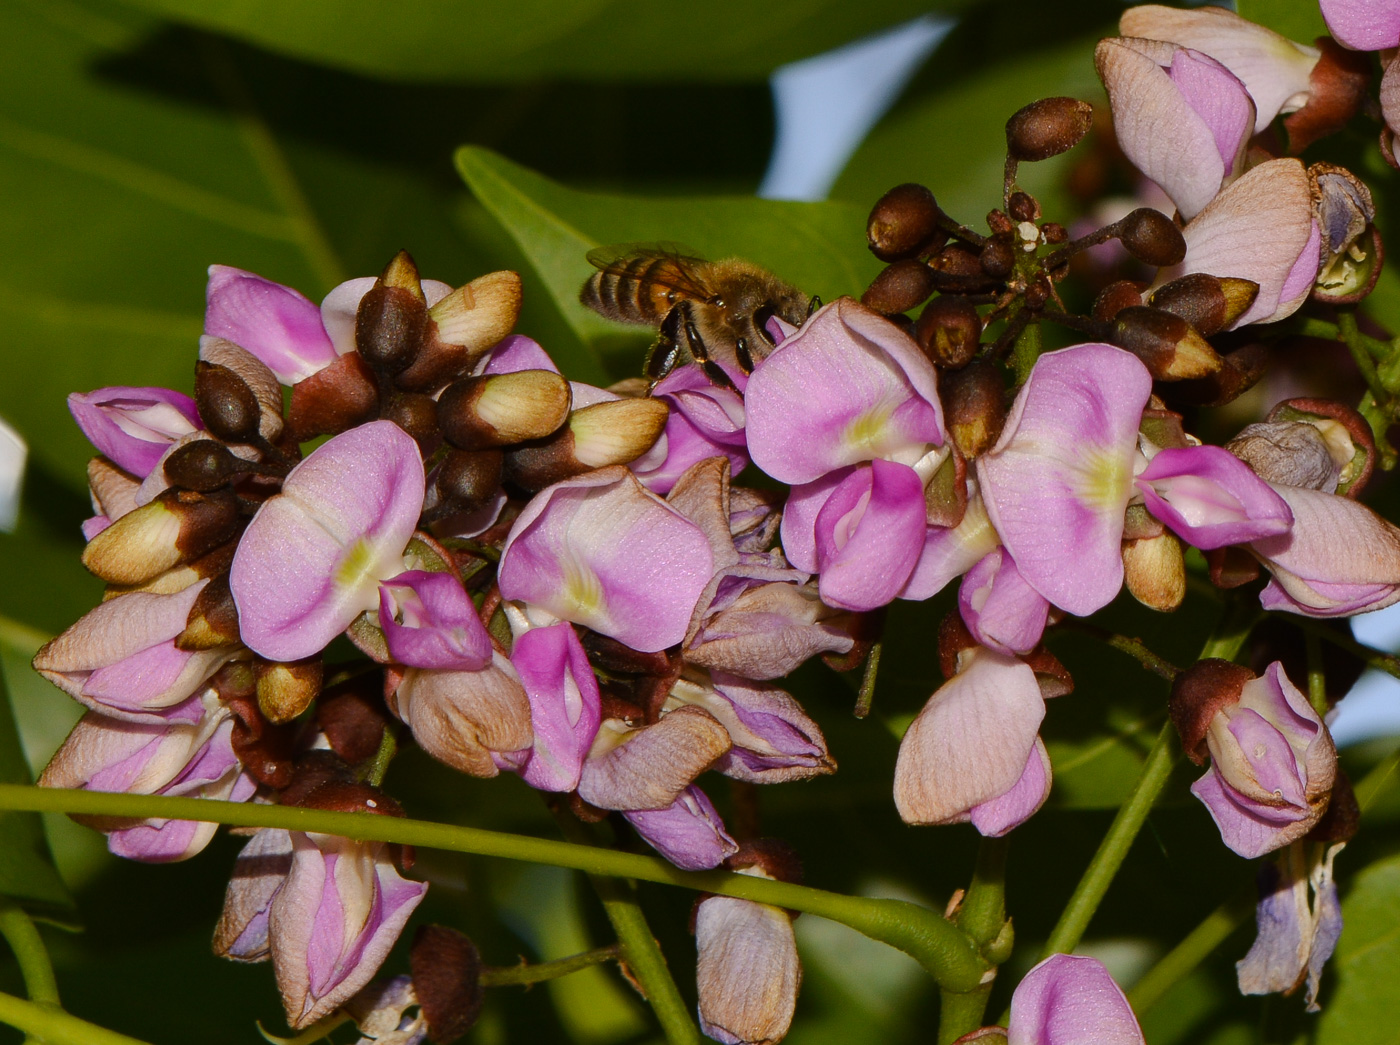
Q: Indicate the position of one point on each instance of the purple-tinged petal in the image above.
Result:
(869, 534)
(429, 621)
(258, 874)
(951, 552)
(1248, 827)
(133, 427)
(564, 705)
(603, 552)
(275, 323)
(1363, 25)
(998, 816)
(689, 832)
(865, 391)
(649, 767)
(768, 630)
(1001, 610)
(334, 920)
(747, 973)
(340, 307)
(799, 523)
(1058, 481)
(1210, 498)
(705, 421)
(311, 560)
(1070, 999)
(463, 718)
(516, 353)
(970, 743)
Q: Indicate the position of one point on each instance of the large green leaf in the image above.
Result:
(486, 40)
(1361, 1010)
(1302, 22)
(817, 246)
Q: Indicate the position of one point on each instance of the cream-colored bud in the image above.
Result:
(1155, 571)
(479, 314)
(618, 431)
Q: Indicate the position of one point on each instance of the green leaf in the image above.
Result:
(1297, 21)
(819, 247)
(485, 40)
(1366, 966)
(27, 872)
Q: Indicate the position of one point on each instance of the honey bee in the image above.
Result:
(709, 312)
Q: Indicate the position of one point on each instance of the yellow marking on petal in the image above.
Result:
(357, 568)
(868, 430)
(582, 591)
(1105, 479)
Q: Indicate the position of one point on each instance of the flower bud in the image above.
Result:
(467, 479)
(447, 980)
(286, 690)
(1022, 206)
(352, 716)
(948, 331)
(1293, 453)
(998, 255)
(612, 432)
(462, 327)
(974, 403)
(1155, 571)
(1114, 298)
(903, 223)
(958, 269)
(1240, 371)
(254, 373)
(335, 399)
(1337, 86)
(213, 622)
(501, 409)
(901, 286)
(1047, 128)
(179, 526)
(1152, 237)
(392, 317)
(203, 465)
(1168, 345)
(1207, 303)
(416, 414)
(228, 407)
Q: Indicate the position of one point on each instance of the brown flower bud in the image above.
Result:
(1336, 88)
(1152, 237)
(899, 287)
(1047, 128)
(213, 620)
(255, 374)
(267, 752)
(1239, 372)
(501, 409)
(392, 317)
(178, 527)
(204, 465)
(467, 479)
(1054, 233)
(948, 331)
(227, 406)
(1114, 298)
(904, 222)
(352, 716)
(1231, 567)
(775, 858)
(447, 979)
(974, 404)
(957, 269)
(416, 414)
(461, 328)
(1197, 694)
(612, 432)
(1022, 206)
(998, 255)
(335, 399)
(1155, 571)
(286, 690)
(1169, 346)
(1206, 302)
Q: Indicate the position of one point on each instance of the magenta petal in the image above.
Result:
(1363, 25)
(1000, 609)
(517, 352)
(275, 323)
(1210, 498)
(133, 427)
(440, 629)
(1069, 999)
(565, 706)
(869, 534)
(799, 523)
(998, 816)
(1249, 828)
(1218, 98)
(1059, 479)
(604, 552)
(311, 560)
(705, 421)
(689, 832)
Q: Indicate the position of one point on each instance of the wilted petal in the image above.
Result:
(1363, 25)
(1001, 610)
(134, 426)
(767, 631)
(275, 323)
(1210, 498)
(1058, 481)
(311, 560)
(689, 832)
(603, 552)
(748, 973)
(564, 705)
(462, 717)
(258, 874)
(971, 742)
(848, 387)
(1070, 999)
(333, 922)
(648, 768)
(430, 621)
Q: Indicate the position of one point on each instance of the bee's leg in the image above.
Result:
(698, 350)
(743, 355)
(665, 353)
(813, 305)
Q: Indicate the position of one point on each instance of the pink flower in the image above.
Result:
(134, 427)
(1070, 999)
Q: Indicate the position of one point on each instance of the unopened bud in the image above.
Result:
(617, 431)
(1168, 346)
(949, 330)
(392, 316)
(900, 287)
(1198, 693)
(1047, 128)
(998, 255)
(1114, 298)
(1155, 571)
(447, 980)
(1240, 371)
(974, 404)
(179, 526)
(267, 752)
(203, 465)
(1022, 206)
(1208, 303)
(1152, 237)
(501, 409)
(416, 414)
(957, 269)
(286, 690)
(1293, 453)
(254, 373)
(335, 399)
(353, 718)
(213, 620)
(462, 327)
(904, 222)
(467, 479)
(1336, 89)
(227, 406)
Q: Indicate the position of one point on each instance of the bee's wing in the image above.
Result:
(677, 267)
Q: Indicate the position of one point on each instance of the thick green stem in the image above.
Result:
(524, 974)
(1317, 678)
(1356, 345)
(1182, 959)
(56, 1027)
(983, 917)
(941, 947)
(31, 954)
(1026, 352)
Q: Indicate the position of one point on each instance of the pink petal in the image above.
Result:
(1363, 25)
(869, 534)
(565, 705)
(440, 629)
(998, 816)
(275, 323)
(689, 832)
(133, 427)
(1001, 610)
(1210, 498)
(1069, 999)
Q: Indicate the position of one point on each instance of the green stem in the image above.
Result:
(1134, 648)
(866, 696)
(1317, 678)
(1026, 352)
(1238, 620)
(1356, 345)
(1374, 658)
(31, 954)
(55, 1027)
(1115, 845)
(524, 974)
(983, 917)
(1182, 959)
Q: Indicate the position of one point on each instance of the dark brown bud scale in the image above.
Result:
(958, 270)
(467, 479)
(335, 399)
(227, 406)
(213, 620)
(392, 317)
(447, 979)
(1114, 298)
(901, 286)
(1152, 237)
(1337, 88)
(416, 414)
(774, 857)
(974, 404)
(203, 465)
(1168, 346)
(1198, 693)
(948, 330)
(1047, 128)
(352, 716)
(904, 222)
